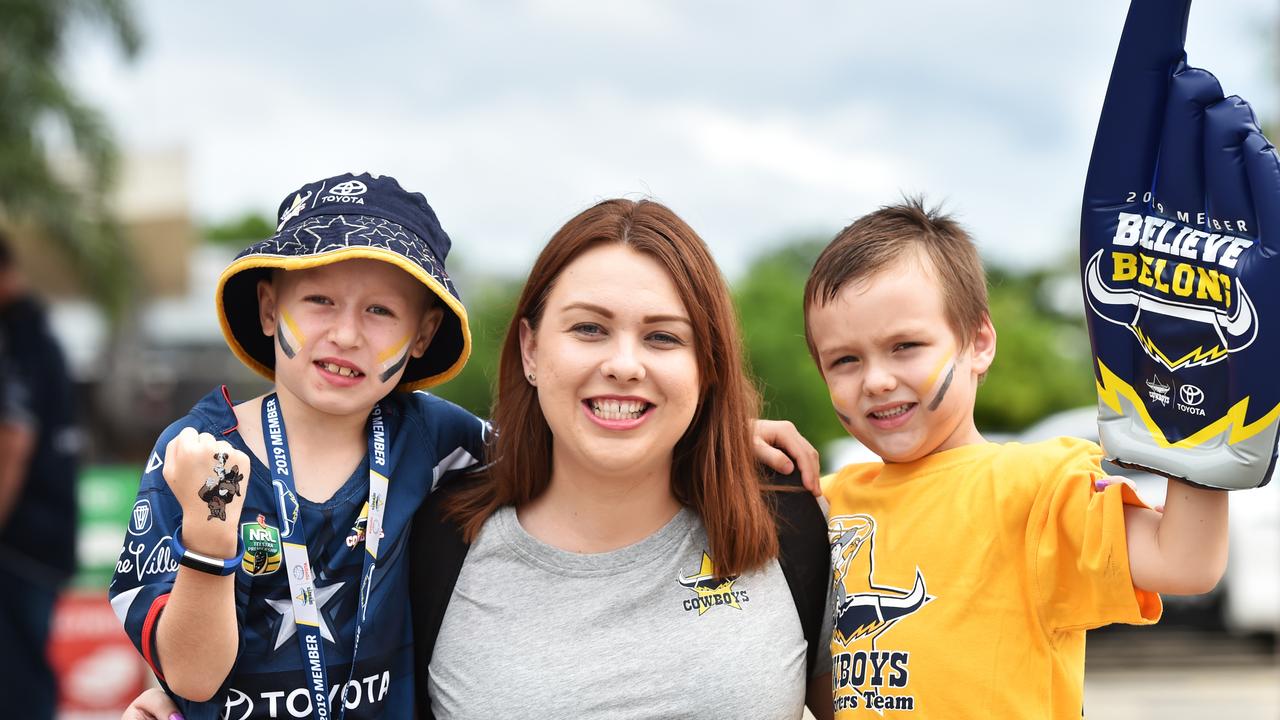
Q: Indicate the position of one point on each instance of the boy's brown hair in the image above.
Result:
(877, 240)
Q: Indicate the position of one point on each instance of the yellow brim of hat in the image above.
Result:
(272, 262)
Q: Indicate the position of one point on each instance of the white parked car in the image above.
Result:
(845, 451)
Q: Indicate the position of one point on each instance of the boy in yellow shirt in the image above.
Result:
(966, 572)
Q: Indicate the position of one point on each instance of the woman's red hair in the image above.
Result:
(714, 470)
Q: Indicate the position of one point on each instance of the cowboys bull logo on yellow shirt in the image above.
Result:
(866, 671)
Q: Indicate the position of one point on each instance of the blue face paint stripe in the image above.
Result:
(942, 391)
(284, 344)
(389, 372)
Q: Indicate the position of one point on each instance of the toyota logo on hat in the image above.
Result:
(1191, 395)
(348, 188)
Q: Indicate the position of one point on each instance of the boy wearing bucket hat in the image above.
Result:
(264, 571)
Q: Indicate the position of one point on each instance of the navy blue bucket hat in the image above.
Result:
(342, 218)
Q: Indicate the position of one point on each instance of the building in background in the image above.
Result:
(165, 354)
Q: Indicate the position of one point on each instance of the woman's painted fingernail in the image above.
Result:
(176, 716)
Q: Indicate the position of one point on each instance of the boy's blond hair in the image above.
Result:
(877, 240)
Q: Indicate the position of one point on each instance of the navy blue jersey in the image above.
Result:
(430, 438)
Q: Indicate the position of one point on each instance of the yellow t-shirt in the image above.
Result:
(965, 581)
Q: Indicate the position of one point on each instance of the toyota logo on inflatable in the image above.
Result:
(1191, 395)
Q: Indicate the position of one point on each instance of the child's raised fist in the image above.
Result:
(207, 477)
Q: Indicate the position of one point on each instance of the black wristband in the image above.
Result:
(204, 563)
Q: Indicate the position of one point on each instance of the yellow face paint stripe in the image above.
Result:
(1111, 387)
(392, 360)
(933, 376)
(949, 364)
(291, 338)
(394, 353)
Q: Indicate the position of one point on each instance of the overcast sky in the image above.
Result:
(757, 122)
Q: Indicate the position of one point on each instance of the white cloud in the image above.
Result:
(755, 122)
(786, 148)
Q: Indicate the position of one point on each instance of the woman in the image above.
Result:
(623, 553)
(620, 556)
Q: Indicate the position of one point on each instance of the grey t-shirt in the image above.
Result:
(533, 631)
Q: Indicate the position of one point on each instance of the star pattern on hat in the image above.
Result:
(337, 232)
(290, 246)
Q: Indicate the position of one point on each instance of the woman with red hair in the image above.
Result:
(619, 556)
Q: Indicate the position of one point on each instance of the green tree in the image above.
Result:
(37, 104)
(490, 303)
(769, 300)
(249, 227)
(1043, 360)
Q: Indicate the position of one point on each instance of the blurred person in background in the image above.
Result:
(37, 493)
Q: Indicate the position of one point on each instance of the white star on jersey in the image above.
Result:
(287, 624)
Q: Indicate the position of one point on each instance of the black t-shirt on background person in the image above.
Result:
(38, 541)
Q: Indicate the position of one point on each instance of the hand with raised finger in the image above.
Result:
(1180, 240)
(208, 477)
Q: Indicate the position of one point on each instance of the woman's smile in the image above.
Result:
(618, 413)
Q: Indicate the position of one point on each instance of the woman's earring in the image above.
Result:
(532, 378)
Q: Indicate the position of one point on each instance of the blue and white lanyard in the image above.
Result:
(293, 538)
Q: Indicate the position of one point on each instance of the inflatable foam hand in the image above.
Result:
(1180, 255)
